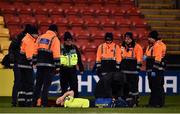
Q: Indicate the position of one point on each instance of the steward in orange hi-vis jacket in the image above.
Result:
(155, 66)
(48, 59)
(14, 51)
(108, 55)
(132, 54)
(107, 60)
(25, 63)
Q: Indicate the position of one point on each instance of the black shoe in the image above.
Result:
(13, 105)
(45, 106)
(157, 106)
(153, 106)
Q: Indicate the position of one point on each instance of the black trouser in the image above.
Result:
(25, 93)
(131, 84)
(17, 83)
(131, 92)
(157, 95)
(68, 78)
(110, 85)
(43, 82)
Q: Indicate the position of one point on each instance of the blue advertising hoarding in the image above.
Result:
(87, 83)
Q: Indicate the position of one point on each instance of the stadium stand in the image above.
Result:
(4, 40)
(1, 21)
(88, 20)
(163, 16)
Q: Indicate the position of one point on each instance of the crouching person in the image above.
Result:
(109, 91)
(68, 100)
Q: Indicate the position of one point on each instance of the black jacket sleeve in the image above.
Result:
(14, 47)
(81, 67)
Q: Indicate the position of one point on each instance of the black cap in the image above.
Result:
(108, 36)
(27, 28)
(67, 35)
(53, 27)
(33, 30)
(153, 34)
(130, 34)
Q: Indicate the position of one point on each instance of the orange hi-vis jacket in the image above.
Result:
(155, 56)
(131, 59)
(108, 52)
(27, 51)
(48, 50)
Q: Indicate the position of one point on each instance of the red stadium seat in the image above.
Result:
(8, 9)
(133, 12)
(43, 29)
(27, 19)
(72, 11)
(57, 11)
(14, 30)
(50, 5)
(139, 23)
(51, 1)
(43, 21)
(76, 22)
(82, 42)
(118, 12)
(62, 22)
(110, 23)
(114, 2)
(103, 12)
(72, 2)
(90, 59)
(80, 35)
(56, 16)
(81, 2)
(11, 19)
(24, 10)
(127, 2)
(97, 34)
(123, 23)
(91, 47)
(38, 9)
(83, 58)
(91, 22)
(117, 35)
(39, 1)
(88, 11)
(143, 35)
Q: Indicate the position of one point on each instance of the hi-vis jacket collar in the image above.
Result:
(51, 32)
(31, 37)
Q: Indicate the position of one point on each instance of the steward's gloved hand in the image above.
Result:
(96, 67)
(81, 72)
(57, 71)
(30, 62)
(139, 65)
(11, 65)
(118, 67)
(153, 74)
(144, 57)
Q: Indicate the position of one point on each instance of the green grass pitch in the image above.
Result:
(172, 106)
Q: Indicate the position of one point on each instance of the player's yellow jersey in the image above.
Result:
(72, 102)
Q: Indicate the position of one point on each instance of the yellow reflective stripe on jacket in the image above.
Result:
(69, 60)
(73, 59)
(64, 60)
